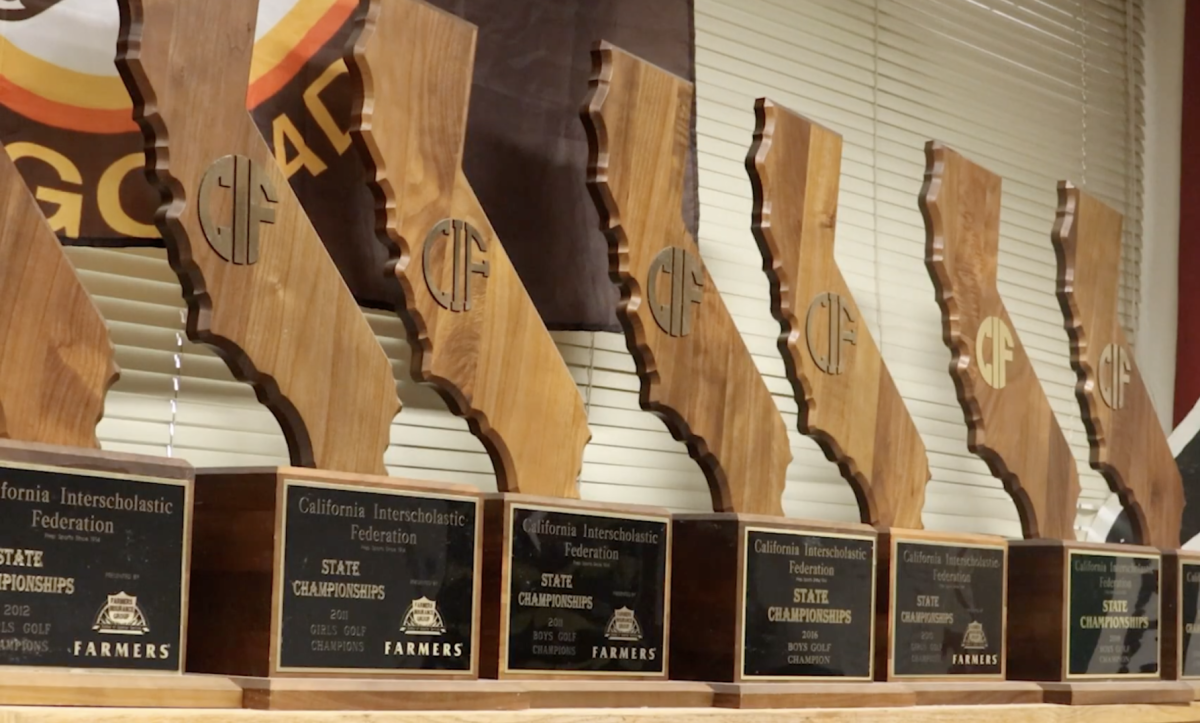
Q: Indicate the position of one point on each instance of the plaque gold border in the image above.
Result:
(277, 584)
(1002, 675)
(185, 560)
(1066, 650)
(1179, 634)
(744, 541)
(506, 601)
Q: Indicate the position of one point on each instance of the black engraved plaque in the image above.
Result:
(947, 609)
(1112, 630)
(809, 605)
(91, 569)
(377, 580)
(587, 592)
(1189, 619)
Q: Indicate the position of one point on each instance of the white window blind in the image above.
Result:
(1035, 90)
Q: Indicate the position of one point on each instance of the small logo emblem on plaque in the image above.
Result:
(253, 193)
(974, 638)
(422, 618)
(121, 616)
(465, 236)
(623, 625)
(994, 346)
(674, 316)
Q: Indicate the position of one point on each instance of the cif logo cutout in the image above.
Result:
(121, 616)
(687, 287)
(465, 237)
(993, 351)
(831, 310)
(422, 618)
(252, 191)
(1115, 367)
(623, 625)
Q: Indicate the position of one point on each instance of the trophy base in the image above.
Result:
(812, 695)
(736, 604)
(960, 577)
(576, 592)
(117, 689)
(1157, 692)
(364, 694)
(1083, 613)
(616, 694)
(976, 693)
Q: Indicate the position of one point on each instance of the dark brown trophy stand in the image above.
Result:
(575, 600)
(1128, 446)
(94, 545)
(324, 585)
(941, 596)
(755, 595)
(1081, 607)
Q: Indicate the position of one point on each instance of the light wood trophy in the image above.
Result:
(325, 584)
(768, 609)
(1128, 445)
(94, 545)
(575, 592)
(1081, 612)
(941, 599)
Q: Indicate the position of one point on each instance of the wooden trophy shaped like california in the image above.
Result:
(1128, 445)
(547, 612)
(94, 545)
(334, 571)
(755, 596)
(1086, 611)
(850, 405)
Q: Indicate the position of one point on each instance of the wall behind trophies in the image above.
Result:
(1036, 91)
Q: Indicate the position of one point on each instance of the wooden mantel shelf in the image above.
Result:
(922, 714)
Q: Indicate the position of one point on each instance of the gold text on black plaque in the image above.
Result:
(1114, 375)
(829, 319)
(674, 315)
(252, 192)
(465, 237)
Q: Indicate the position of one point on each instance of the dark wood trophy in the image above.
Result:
(325, 584)
(1084, 612)
(941, 596)
(574, 591)
(1128, 445)
(765, 607)
(94, 545)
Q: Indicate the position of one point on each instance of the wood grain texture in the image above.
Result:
(56, 359)
(857, 416)
(1137, 713)
(1012, 428)
(494, 363)
(704, 385)
(286, 324)
(1128, 445)
(45, 687)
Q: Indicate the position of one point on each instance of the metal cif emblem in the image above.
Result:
(252, 192)
(674, 315)
(1114, 372)
(829, 311)
(994, 350)
(465, 237)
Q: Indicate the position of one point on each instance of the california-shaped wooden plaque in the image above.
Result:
(1009, 420)
(1128, 446)
(695, 370)
(259, 285)
(56, 358)
(474, 331)
(847, 399)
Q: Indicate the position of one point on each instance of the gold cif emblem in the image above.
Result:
(993, 350)
(687, 288)
(465, 237)
(252, 190)
(832, 310)
(1114, 375)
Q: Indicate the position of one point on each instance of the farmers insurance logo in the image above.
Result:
(59, 89)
